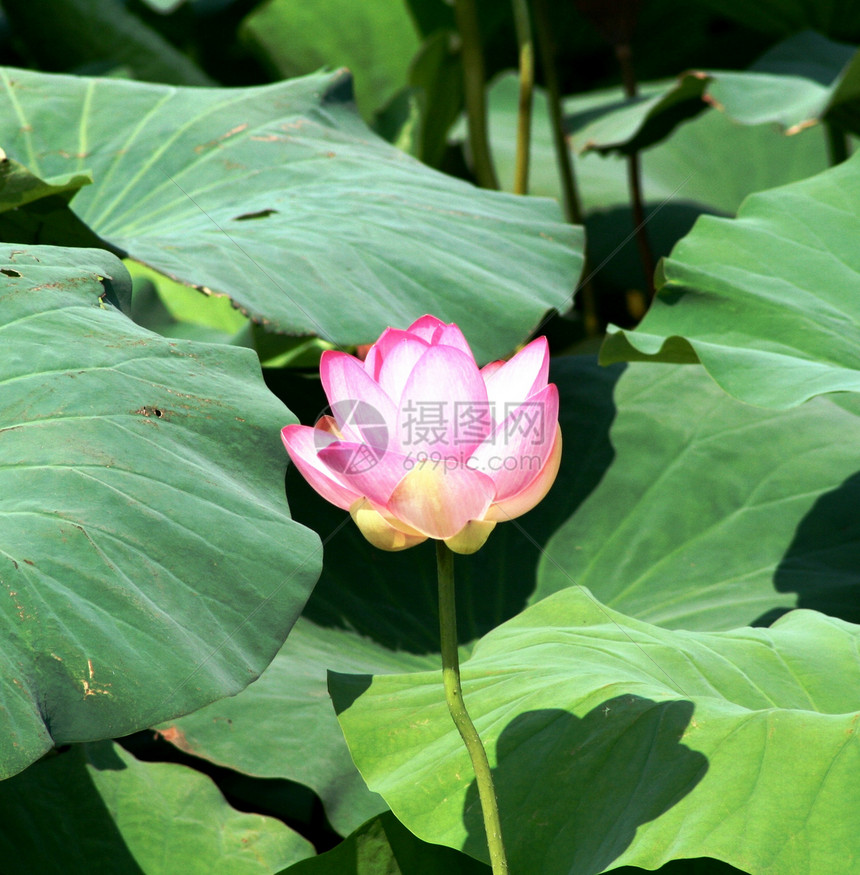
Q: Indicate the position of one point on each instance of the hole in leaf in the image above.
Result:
(8, 271)
(260, 214)
(148, 410)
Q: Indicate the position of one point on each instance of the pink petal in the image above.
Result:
(524, 501)
(443, 412)
(388, 340)
(513, 381)
(302, 444)
(328, 424)
(490, 368)
(372, 362)
(450, 335)
(439, 499)
(426, 327)
(517, 450)
(434, 331)
(357, 401)
(398, 364)
(366, 471)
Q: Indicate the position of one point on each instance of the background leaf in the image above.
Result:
(176, 310)
(694, 171)
(838, 19)
(66, 35)
(146, 550)
(789, 264)
(712, 514)
(803, 80)
(280, 198)
(375, 39)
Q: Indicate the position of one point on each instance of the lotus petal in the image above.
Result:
(439, 500)
(303, 444)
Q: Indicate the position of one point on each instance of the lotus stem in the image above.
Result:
(628, 77)
(473, 85)
(569, 190)
(527, 82)
(459, 714)
(547, 48)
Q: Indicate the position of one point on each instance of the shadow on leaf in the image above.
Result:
(573, 791)
(822, 563)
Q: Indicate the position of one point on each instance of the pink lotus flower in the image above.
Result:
(422, 444)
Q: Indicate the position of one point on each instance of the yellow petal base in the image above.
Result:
(471, 537)
(379, 531)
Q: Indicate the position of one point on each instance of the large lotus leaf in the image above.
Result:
(616, 742)
(281, 198)
(375, 39)
(95, 808)
(804, 80)
(768, 301)
(696, 170)
(148, 558)
(383, 846)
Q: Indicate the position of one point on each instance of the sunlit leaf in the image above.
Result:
(618, 742)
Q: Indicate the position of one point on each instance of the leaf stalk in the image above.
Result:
(466, 15)
(527, 82)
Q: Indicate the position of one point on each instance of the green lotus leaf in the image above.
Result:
(616, 742)
(767, 301)
(96, 807)
(282, 199)
(147, 555)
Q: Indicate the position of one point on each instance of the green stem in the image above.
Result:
(569, 192)
(547, 47)
(473, 85)
(459, 714)
(628, 78)
(527, 83)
